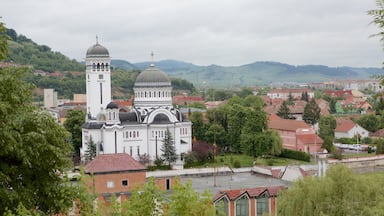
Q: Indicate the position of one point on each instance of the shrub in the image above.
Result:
(297, 155)
(236, 164)
(337, 154)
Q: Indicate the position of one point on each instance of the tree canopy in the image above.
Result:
(340, 192)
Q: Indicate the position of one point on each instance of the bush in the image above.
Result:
(236, 164)
(297, 155)
(337, 154)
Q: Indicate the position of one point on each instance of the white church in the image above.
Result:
(141, 130)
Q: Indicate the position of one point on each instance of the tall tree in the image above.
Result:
(75, 119)
(168, 148)
(332, 105)
(33, 152)
(327, 125)
(90, 153)
(284, 111)
(236, 119)
(311, 112)
(198, 128)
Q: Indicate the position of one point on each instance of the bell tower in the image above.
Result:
(98, 80)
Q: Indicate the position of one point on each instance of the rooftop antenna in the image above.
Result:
(152, 60)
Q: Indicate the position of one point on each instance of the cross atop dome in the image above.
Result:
(152, 59)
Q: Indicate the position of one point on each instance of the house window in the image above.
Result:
(222, 207)
(130, 150)
(138, 150)
(124, 183)
(262, 205)
(167, 184)
(242, 206)
(110, 184)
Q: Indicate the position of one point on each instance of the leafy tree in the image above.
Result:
(236, 118)
(216, 133)
(168, 148)
(284, 111)
(327, 125)
(340, 192)
(75, 119)
(33, 153)
(198, 125)
(244, 92)
(311, 112)
(378, 18)
(291, 99)
(332, 105)
(370, 122)
(147, 199)
(197, 105)
(267, 143)
(186, 201)
(305, 96)
(3, 41)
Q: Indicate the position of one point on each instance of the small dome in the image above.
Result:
(97, 51)
(152, 75)
(161, 119)
(112, 106)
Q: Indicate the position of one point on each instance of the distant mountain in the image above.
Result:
(116, 63)
(258, 73)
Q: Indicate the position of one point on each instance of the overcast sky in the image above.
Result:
(204, 32)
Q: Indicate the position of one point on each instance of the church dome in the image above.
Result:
(97, 50)
(152, 75)
(112, 105)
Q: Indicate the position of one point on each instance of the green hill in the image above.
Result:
(23, 50)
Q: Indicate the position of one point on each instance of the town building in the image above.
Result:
(296, 134)
(139, 131)
(116, 174)
(285, 93)
(251, 201)
(349, 129)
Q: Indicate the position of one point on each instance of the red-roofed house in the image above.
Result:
(296, 135)
(251, 201)
(184, 99)
(115, 174)
(349, 129)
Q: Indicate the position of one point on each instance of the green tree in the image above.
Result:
(332, 105)
(305, 96)
(327, 125)
(378, 18)
(216, 133)
(311, 112)
(3, 41)
(370, 122)
(185, 201)
(198, 125)
(284, 111)
(34, 151)
(168, 148)
(90, 153)
(236, 119)
(340, 192)
(147, 199)
(75, 119)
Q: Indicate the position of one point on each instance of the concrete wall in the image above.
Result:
(360, 162)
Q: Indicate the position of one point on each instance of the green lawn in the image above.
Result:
(242, 160)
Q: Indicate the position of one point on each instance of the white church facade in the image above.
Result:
(141, 130)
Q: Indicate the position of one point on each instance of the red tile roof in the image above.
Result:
(287, 124)
(309, 139)
(107, 163)
(252, 192)
(379, 133)
(345, 126)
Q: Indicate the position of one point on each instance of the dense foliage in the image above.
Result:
(340, 192)
(74, 120)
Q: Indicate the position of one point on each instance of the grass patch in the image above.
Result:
(242, 160)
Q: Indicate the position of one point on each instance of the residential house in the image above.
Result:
(296, 134)
(377, 134)
(251, 201)
(285, 93)
(115, 174)
(349, 129)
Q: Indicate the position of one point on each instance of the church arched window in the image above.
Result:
(106, 66)
(93, 66)
(98, 66)
(159, 93)
(102, 66)
(145, 94)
